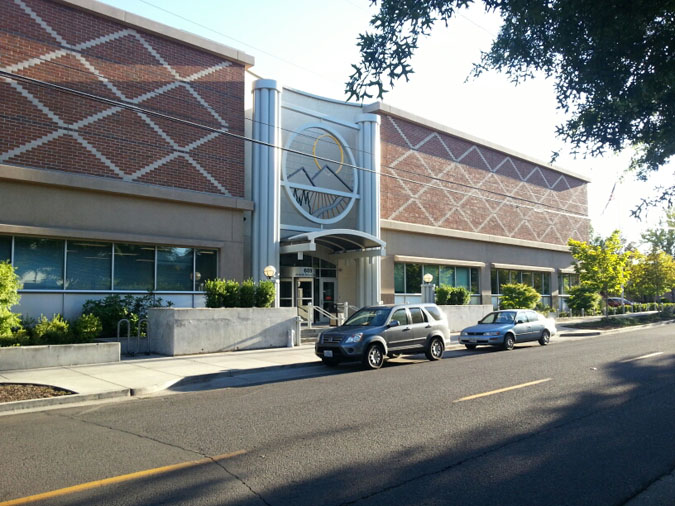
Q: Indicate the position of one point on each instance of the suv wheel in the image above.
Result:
(374, 357)
(435, 349)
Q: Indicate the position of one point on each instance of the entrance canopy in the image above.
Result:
(337, 241)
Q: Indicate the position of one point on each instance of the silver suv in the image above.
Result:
(376, 332)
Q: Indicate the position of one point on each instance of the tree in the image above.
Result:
(662, 238)
(583, 297)
(9, 296)
(601, 264)
(518, 296)
(612, 66)
(653, 275)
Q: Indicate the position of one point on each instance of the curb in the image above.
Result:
(589, 333)
(16, 407)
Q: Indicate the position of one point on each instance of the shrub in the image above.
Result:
(113, 308)
(518, 296)
(459, 296)
(54, 331)
(247, 293)
(215, 290)
(442, 294)
(87, 328)
(543, 309)
(264, 294)
(231, 294)
(9, 296)
(583, 297)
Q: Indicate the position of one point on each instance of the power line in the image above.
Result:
(141, 110)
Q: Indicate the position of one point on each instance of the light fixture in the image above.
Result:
(269, 271)
(428, 278)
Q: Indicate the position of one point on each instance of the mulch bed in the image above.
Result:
(10, 392)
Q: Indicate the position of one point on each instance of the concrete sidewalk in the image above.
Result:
(145, 375)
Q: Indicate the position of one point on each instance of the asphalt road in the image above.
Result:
(590, 423)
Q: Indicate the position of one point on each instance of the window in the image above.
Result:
(5, 248)
(434, 312)
(206, 267)
(408, 280)
(540, 281)
(567, 281)
(413, 278)
(134, 267)
(174, 269)
(417, 315)
(401, 315)
(39, 262)
(399, 278)
(434, 271)
(447, 275)
(88, 265)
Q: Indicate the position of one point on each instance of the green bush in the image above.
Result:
(114, 308)
(247, 293)
(231, 294)
(459, 296)
(54, 331)
(87, 328)
(215, 289)
(9, 296)
(583, 297)
(264, 294)
(442, 294)
(518, 296)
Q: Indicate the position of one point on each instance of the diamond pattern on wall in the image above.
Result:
(473, 188)
(125, 65)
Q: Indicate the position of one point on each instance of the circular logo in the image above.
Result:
(319, 175)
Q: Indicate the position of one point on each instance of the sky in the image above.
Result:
(310, 45)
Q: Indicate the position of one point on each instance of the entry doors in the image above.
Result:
(304, 291)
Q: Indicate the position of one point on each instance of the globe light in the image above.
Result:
(269, 271)
(428, 278)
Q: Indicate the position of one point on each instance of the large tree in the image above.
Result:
(602, 264)
(612, 63)
(663, 237)
(653, 275)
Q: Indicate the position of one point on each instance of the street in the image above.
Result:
(582, 422)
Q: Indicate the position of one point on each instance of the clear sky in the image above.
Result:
(311, 44)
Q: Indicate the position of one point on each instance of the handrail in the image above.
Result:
(325, 313)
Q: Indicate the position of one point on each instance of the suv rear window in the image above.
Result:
(434, 311)
(417, 315)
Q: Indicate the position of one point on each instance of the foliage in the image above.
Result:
(518, 296)
(652, 275)
(214, 289)
(583, 297)
(662, 238)
(54, 331)
(265, 294)
(9, 296)
(87, 328)
(114, 308)
(544, 309)
(442, 294)
(612, 67)
(247, 293)
(459, 296)
(601, 264)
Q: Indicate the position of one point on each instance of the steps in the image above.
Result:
(308, 336)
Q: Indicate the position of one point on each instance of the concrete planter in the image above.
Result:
(460, 317)
(186, 331)
(57, 355)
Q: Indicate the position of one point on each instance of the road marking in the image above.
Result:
(119, 479)
(655, 354)
(499, 391)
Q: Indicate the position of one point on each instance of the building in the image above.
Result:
(133, 159)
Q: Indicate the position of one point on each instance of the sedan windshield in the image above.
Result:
(504, 317)
(368, 316)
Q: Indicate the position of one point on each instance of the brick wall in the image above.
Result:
(48, 128)
(432, 178)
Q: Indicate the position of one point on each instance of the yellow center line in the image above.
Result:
(120, 479)
(499, 391)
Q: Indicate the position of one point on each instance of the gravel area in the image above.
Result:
(10, 392)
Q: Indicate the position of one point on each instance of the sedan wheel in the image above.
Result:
(509, 342)
(435, 349)
(374, 357)
(545, 337)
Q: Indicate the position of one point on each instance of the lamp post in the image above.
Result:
(428, 289)
(270, 273)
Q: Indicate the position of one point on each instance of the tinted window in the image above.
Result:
(206, 266)
(39, 262)
(88, 265)
(434, 312)
(134, 267)
(368, 317)
(5, 248)
(417, 315)
(401, 315)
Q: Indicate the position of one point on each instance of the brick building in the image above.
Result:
(124, 168)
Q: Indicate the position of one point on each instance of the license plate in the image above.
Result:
(328, 353)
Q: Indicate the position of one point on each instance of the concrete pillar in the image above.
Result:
(266, 177)
(368, 220)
